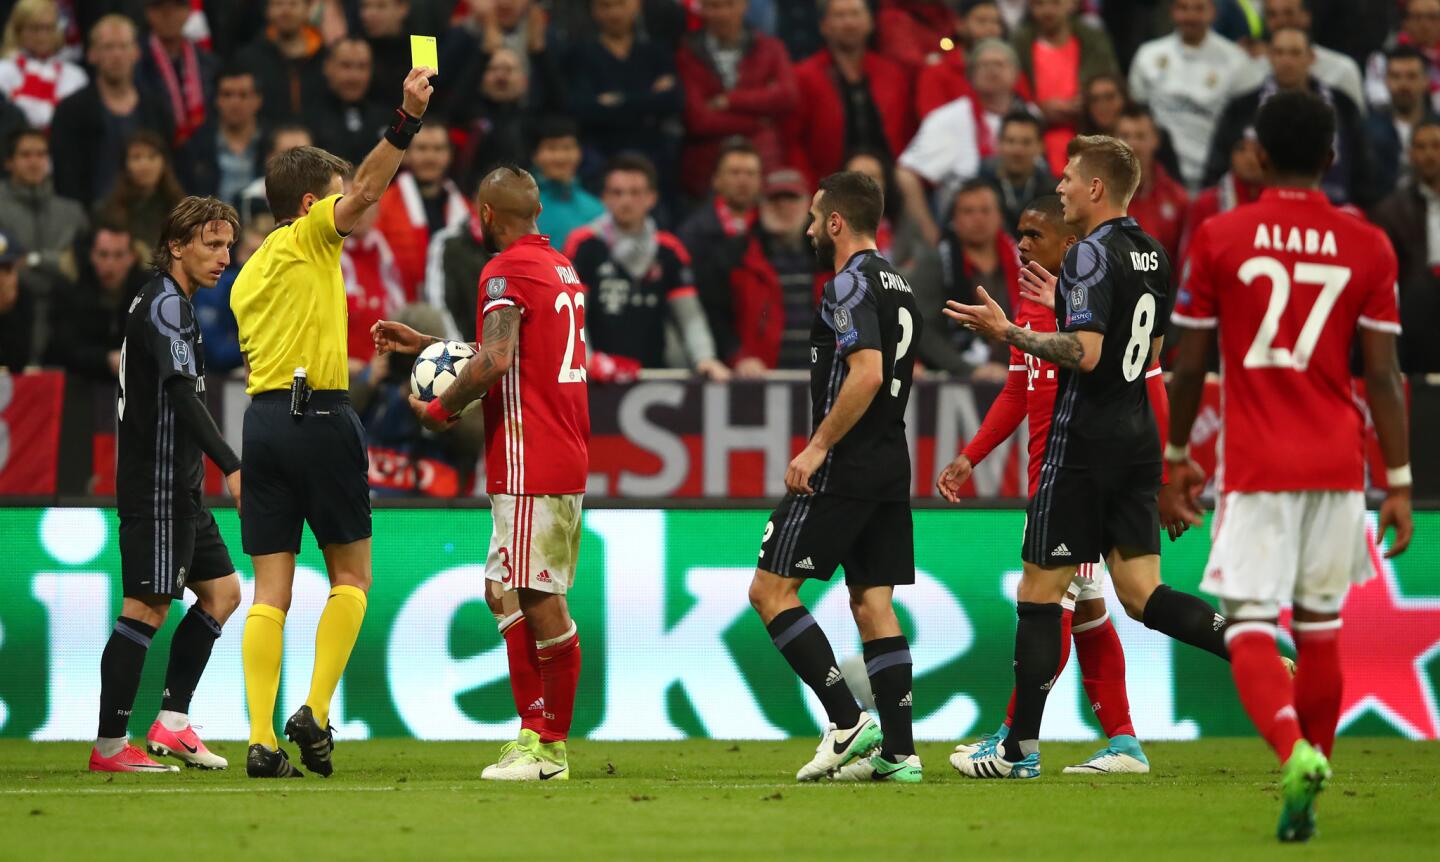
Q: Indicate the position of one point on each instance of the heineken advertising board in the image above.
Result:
(671, 647)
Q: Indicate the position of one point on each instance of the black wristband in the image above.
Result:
(402, 129)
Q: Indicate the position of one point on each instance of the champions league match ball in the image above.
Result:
(437, 367)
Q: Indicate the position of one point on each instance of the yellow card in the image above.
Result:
(423, 53)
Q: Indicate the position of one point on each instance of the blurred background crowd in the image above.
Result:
(676, 144)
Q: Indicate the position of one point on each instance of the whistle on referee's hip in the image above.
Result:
(299, 394)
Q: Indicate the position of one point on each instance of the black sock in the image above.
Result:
(1037, 657)
(887, 661)
(1187, 619)
(801, 640)
(189, 653)
(120, 666)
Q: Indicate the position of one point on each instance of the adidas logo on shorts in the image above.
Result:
(833, 676)
(906, 701)
(807, 564)
(1060, 551)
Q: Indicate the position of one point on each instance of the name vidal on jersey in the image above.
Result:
(1272, 237)
(567, 275)
(891, 281)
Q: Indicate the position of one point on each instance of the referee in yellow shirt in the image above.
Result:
(304, 457)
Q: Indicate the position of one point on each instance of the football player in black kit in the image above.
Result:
(168, 539)
(1097, 496)
(849, 500)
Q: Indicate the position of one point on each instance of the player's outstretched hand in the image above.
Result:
(417, 90)
(392, 337)
(797, 475)
(953, 477)
(1395, 512)
(987, 318)
(1037, 284)
(232, 482)
(430, 423)
(1180, 498)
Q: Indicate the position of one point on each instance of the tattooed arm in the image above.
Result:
(1076, 350)
(1065, 349)
(496, 350)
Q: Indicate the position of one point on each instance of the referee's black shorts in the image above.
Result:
(1080, 514)
(313, 470)
(809, 536)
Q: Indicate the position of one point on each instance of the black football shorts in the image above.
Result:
(1080, 514)
(159, 556)
(809, 536)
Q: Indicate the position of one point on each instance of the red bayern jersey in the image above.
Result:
(1287, 280)
(537, 418)
(1029, 392)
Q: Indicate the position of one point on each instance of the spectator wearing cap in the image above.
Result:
(738, 288)
(1017, 172)
(33, 75)
(1187, 78)
(954, 139)
(18, 310)
(564, 203)
(851, 98)
(1241, 185)
(87, 317)
(975, 251)
(1160, 202)
(943, 78)
(288, 62)
(623, 90)
(1411, 217)
(784, 215)
(226, 154)
(737, 82)
(91, 127)
(1057, 53)
(31, 214)
(420, 202)
(642, 303)
(348, 121)
(1389, 127)
(178, 69)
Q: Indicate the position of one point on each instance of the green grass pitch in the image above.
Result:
(391, 799)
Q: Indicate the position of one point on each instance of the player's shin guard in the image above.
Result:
(1067, 615)
(559, 677)
(1187, 619)
(1102, 670)
(1318, 681)
(261, 649)
(1264, 685)
(120, 667)
(887, 661)
(334, 639)
(189, 654)
(804, 645)
(525, 685)
(1037, 657)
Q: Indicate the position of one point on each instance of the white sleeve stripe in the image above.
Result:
(495, 303)
(1379, 325)
(1194, 322)
(1019, 368)
(1154, 372)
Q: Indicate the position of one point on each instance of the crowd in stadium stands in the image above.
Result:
(676, 144)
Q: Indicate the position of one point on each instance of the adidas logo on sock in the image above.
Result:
(905, 701)
(807, 564)
(539, 704)
(833, 676)
(1060, 551)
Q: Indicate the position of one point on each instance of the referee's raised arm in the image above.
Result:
(375, 173)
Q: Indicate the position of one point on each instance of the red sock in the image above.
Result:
(524, 674)
(1264, 685)
(1318, 682)
(1102, 670)
(1065, 618)
(560, 675)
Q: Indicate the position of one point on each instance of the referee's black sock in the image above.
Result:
(189, 653)
(1187, 619)
(887, 661)
(1037, 658)
(120, 666)
(803, 643)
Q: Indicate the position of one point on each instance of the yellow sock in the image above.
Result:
(334, 638)
(261, 648)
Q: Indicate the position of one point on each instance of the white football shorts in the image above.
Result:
(1272, 548)
(535, 542)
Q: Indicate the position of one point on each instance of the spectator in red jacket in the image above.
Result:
(1159, 205)
(944, 78)
(421, 202)
(851, 98)
(736, 82)
(913, 31)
